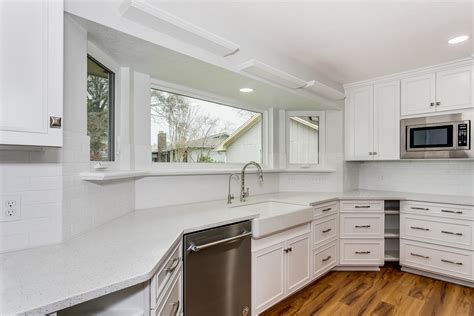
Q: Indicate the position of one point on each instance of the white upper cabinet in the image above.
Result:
(359, 123)
(387, 121)
(454, 89)
(444, 90)
(372, 122)
(31, 60)
(418, 94)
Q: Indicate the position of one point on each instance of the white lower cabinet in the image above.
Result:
(280, 266)
(437, 240)
(362, 252)
(324, 259)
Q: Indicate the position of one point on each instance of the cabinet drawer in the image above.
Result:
(324, 230)
(362, 225)
(361, 251)
(171, 304)
(447, 232)
(325, 209)
(436, 209)
(163, 277)
(438, 259)
(361, 206)
(324, 259)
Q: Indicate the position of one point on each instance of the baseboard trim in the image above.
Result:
(356, 268)
(438, 276)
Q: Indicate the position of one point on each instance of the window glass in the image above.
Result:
(189, 130)
(303, 133)
(100, 109)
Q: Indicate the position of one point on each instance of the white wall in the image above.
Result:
(437, 177)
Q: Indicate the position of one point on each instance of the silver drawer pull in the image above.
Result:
(326, 230)
(417, 255)
(173, 266)
(449, 211)
(195, 248)
(449, 261)
(326, 259)
(362, 252)
(175, 309)
(419, 228)
(362, 226)
(362, 206)
(420, 208)
(326, 209)
(451, 233)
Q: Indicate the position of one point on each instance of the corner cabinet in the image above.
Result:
(31, 86)
(372, 122)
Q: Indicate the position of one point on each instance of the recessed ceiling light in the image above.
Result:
(458, 39)
(246, 90)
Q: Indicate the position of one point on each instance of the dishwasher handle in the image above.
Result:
(195, 248)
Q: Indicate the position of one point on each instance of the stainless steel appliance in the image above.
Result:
(217, 271)
(432, 137)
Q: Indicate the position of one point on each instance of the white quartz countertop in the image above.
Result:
(129, 250)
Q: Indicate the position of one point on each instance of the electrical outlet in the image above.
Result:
(11, 208)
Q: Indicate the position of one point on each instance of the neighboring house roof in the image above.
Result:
(244, 128)
(209, 142)
(304, 122)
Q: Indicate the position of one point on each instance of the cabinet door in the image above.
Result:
(359, 131)
(453, 89)
(268, 276)
(31, 60)
(298, 262)
(418, 95)
(387, 121)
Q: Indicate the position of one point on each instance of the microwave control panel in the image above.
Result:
(463, 135)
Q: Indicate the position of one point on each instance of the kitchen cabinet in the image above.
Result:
(280, 266)
(372, 122)
(31, 85)
(418, 94)
(437, 240)
(444, 90)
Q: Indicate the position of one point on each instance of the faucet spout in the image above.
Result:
(244, 194)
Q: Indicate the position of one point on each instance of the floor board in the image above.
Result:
(389, 292)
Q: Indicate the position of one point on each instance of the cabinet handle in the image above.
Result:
(326, 209)
(370, 153)
(326, 259)
(449, 261)
(287, 250)
(362, 226)
(420, 208)
(362, 206)
(374, 153)
(326, 230)
(419, 228)
(451, 233)
(173, 265)
(362, 252)
(438, 103)
(417, 255)
(449, 211)
(432, 104)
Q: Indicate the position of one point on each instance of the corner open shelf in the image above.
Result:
(392, 230)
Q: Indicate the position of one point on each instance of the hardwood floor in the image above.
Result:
(388, 292)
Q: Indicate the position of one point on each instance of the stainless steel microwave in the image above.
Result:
(437, 137)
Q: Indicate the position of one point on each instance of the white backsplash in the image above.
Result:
(438, 177)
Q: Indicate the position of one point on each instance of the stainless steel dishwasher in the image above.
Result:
(217, 271)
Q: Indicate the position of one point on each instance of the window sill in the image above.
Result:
(121, 175)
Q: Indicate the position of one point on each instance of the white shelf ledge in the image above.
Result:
(392, 255)
(121, 175)
(391, 233)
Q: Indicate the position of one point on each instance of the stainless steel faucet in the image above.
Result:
(230, 196)
(244, 194)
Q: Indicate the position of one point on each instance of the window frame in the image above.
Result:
(209, 97)
(285, 139)
(111, 110)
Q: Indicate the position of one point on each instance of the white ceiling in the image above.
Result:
(343, 41)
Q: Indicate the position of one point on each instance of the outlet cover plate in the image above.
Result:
(10, 207)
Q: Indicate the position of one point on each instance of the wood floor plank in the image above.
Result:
(389, 292)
